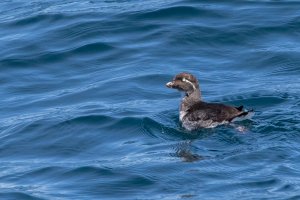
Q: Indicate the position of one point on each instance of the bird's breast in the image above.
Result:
(182, 114)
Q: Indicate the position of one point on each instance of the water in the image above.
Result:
(85, 113)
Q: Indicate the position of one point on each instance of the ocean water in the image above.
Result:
(85, 113)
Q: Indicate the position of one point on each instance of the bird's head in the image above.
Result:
(184, 82)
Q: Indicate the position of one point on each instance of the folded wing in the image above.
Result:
(202, 111)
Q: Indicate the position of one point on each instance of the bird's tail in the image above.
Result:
(247, 114)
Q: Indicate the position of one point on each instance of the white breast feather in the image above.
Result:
(181, 115)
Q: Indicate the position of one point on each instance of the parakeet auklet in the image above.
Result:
(195, 113)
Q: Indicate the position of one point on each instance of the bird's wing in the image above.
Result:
(212, 111)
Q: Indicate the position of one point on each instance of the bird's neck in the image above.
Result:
(190, 99)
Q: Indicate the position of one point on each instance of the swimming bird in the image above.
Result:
(194, 113)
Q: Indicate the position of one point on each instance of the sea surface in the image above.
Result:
(85, 114)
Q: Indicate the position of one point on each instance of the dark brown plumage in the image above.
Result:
(217, 112)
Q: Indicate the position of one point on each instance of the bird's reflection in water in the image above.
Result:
(188, 156)
(183, 151)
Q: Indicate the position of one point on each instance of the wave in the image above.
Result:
(177, 12)
(18, 195)
(101, 179)
(38, 19)
(26, 59)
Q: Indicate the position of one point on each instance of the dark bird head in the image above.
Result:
(184, 82)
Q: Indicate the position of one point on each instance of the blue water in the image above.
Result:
(85, 113)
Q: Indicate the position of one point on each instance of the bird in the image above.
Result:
(194, 113)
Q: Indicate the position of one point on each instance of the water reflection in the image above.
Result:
(183, 150)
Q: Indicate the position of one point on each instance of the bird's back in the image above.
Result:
(202, 114)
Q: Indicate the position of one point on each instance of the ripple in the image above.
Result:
(96, 48)
(18, 195)
(93, 48)
(172, 13)
(38, 19)
(91, 119)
